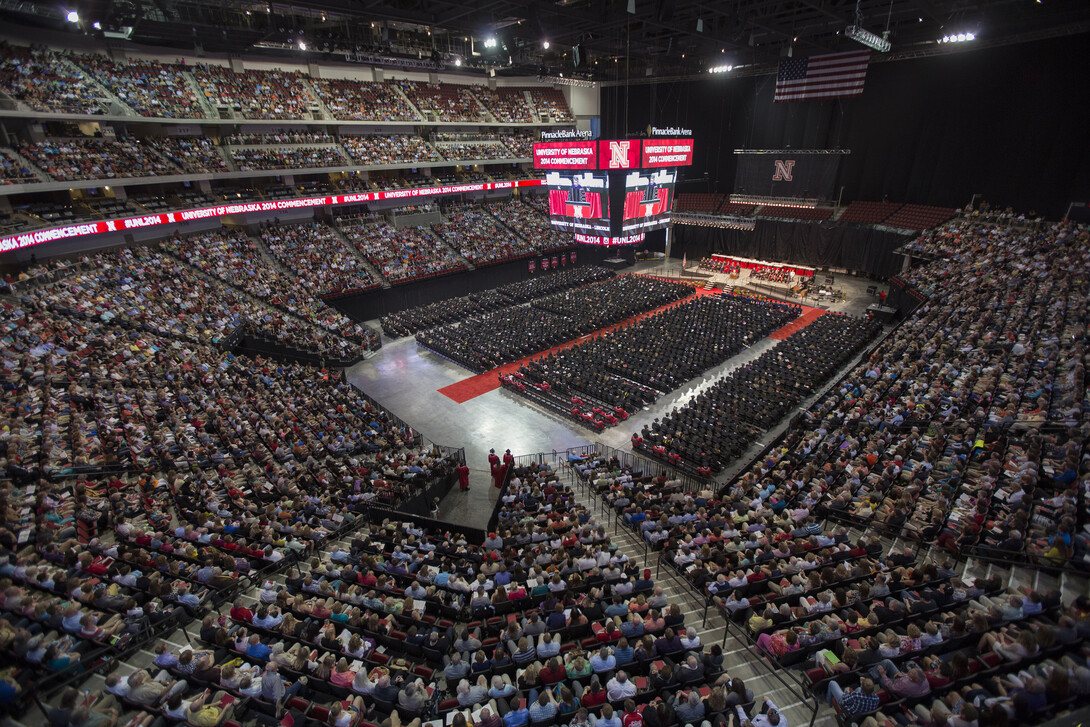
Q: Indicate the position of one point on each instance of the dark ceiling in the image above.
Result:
(607, 40)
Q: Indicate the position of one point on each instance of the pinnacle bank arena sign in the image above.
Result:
(36, 237)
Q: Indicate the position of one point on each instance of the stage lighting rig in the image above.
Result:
(859, 34)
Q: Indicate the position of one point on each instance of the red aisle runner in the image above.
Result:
(809, 315)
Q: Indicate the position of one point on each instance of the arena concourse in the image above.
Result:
(317, 413)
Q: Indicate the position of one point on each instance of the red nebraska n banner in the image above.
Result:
(619, 154)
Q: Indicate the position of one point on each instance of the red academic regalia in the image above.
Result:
(498, 475)
(463, 477)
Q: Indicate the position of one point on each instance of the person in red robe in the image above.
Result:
(463, 477)
(493, 459)
(499, 473)
(508, 459)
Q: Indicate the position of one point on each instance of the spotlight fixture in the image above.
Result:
(457, 61)
(958, 38)
(545, 45)
(721, 69)
(861, 35)
(72, 16)
(302, 45)
(490, 43)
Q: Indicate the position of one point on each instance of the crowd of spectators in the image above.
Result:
(148, 289)
(142, 420)
(533, 227)
(315, 251)
(473, 150)
(14, 172)
(626, 369)
(280, 138)
(254, 158)
(552, 102)
(149, 88)
(192, 153)
(721, 422)
(449, 102)
(362, 100)
(233, 257)
(422, 317)
(476, 231)
(72, 159)
(521, 145)
(478, 236)
(507, 105)
(486, 341)
(256, 94)
(49, 80)
(43, 80)
(971, 467)
(403, 254)
(389, 149)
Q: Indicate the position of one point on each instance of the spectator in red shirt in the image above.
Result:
(631, 717)
(553, 673)
(239, 612)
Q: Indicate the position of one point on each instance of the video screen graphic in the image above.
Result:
(579, 202)
(647, 200)
(565, 155)
(667, 153)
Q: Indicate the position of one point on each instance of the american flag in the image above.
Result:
(827, 76)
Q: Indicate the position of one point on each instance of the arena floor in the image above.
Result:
(405, 379)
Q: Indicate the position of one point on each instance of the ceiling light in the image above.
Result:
(457, 61)
(490, 43)
(302, 45)
(545, 45)
(721, 69)
(96, 25)
(72, 16)
(959, 38)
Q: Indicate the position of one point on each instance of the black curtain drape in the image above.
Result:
(1007, 122)
(853, 247)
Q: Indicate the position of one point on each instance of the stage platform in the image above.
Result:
(854, 289)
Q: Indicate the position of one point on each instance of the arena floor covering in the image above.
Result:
(416, 385)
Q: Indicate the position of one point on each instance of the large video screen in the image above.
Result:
(579, 202)
(648, 196)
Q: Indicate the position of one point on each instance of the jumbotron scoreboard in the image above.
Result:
(612, 192)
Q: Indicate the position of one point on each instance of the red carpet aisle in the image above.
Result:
(474, 386)
(809, 315)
